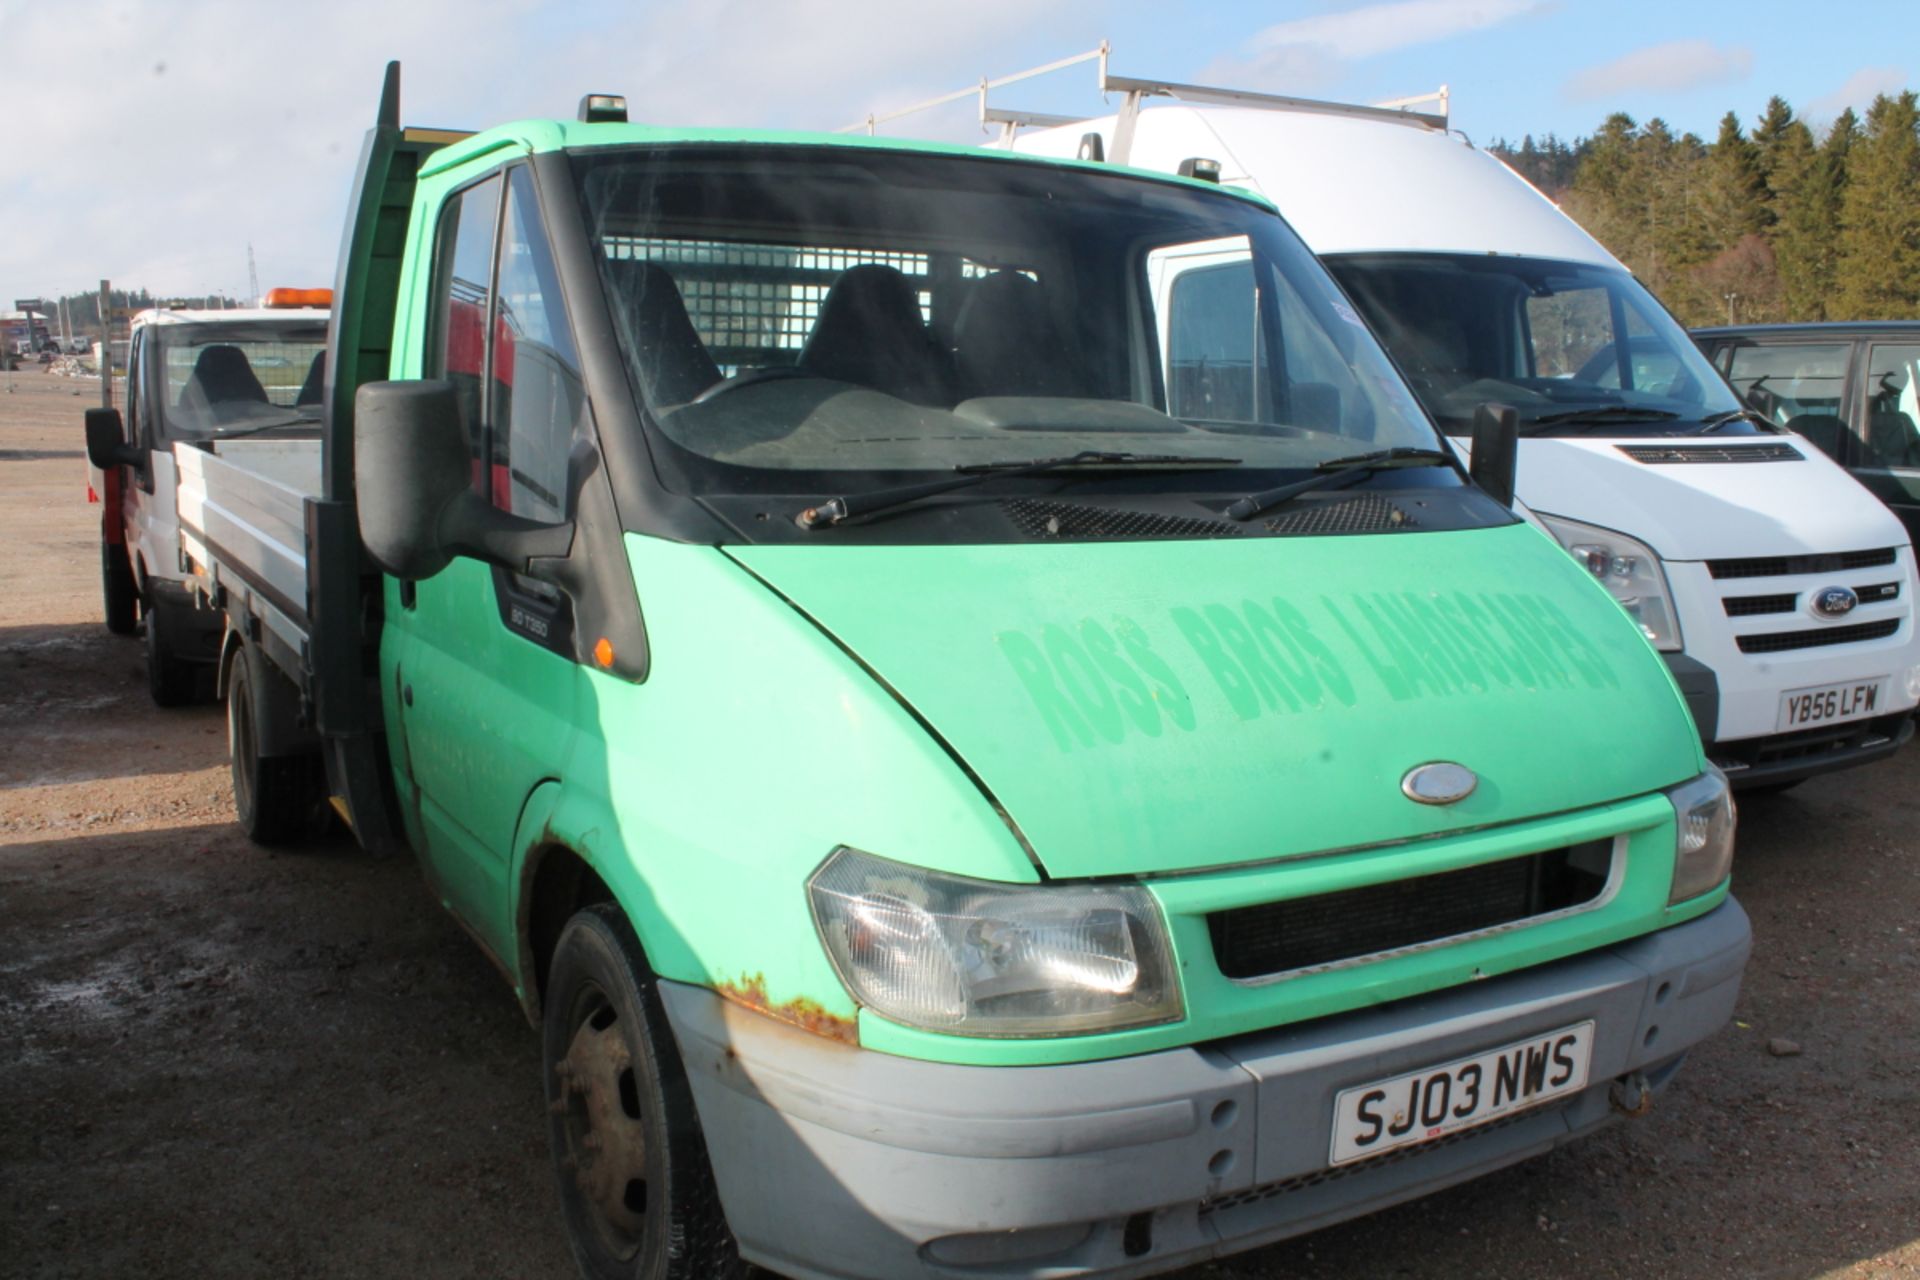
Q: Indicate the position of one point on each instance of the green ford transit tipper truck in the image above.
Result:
(946, 815)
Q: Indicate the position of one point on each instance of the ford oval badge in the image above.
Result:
(1442, 782)
(1834, 602)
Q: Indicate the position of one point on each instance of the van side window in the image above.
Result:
(1217, 367)
(538, 402)
(1569, 328)
(1893, 406)
(1797, 386)
(463, 288)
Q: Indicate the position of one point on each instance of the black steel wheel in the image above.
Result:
(119, 595)
(635, 1184)
(276, 799)
(171, 681)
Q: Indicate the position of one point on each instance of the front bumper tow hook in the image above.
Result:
(1631, 1095)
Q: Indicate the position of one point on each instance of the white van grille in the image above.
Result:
(1766, 599)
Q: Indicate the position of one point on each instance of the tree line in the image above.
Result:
(83, 309)
(1782, 223)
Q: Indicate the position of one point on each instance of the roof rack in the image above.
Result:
(1136, 91)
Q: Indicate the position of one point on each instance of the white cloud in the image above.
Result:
(150, 143)
(1857, 91)
(1675, 66)
(1305, 53)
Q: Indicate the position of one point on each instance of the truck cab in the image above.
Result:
(950, 803)
(1720, 534)
(197, 378)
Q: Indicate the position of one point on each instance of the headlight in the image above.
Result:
(1626, 568)
(976, 958)
(1703, 834)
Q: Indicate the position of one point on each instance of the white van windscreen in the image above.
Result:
(1574, 348)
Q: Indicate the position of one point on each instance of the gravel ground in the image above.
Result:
(218, 1062)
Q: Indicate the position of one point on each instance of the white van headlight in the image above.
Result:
(1704, 819)
(1628, 569)
(979, 958)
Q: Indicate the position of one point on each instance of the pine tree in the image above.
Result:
(1878, 275)
(1768, 136)
(1806, 204)
(1734, 196)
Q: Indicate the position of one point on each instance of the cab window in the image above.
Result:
(1893, 409)
(1796, 385)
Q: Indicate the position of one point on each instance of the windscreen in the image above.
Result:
(792, 315)
(1575, 348)
(240, 377)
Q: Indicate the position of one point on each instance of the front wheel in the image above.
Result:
(170, 681)
(635, 1184)
(119, 595)
(277, 799)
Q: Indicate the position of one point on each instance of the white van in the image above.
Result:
(1778, 590)
(199, 378)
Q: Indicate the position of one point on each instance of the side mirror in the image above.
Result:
(107, 445)
(413, 483)
(1496, 450)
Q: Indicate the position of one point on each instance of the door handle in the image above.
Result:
(406, 694)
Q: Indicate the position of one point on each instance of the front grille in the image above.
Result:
(1672, 454)
(1302, 933)
(1782, 566)
(1369, 513)
(1817, 637)
(1747, 606)
(1041, 518)
(1878, 593)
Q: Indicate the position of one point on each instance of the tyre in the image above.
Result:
(276, 799)
(117, 590)
(171, 681)
(635, 1185)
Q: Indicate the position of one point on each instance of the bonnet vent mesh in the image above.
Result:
(1041, 518)
(1665, 455)
(1369, 513)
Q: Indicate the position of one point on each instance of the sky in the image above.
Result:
(151, 143)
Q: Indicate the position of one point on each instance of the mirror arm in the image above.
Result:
(471, 526)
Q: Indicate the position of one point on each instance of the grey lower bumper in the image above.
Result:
(837, 1161)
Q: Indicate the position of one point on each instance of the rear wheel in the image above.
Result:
(172, 681)
(635, 1183)
(277, 799)
(117, 590)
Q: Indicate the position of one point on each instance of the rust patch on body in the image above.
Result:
(808, 1015)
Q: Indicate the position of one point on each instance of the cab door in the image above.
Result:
(478, 662)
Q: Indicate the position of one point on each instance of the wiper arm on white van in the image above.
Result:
(1710, 425)
(1596, 416)
(835, 510)
(1335, 470)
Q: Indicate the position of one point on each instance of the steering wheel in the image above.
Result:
(749, 378)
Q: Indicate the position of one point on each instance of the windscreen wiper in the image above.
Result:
(1596, 416)
(835, 510)
(1334, 470)
(1710, 425)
